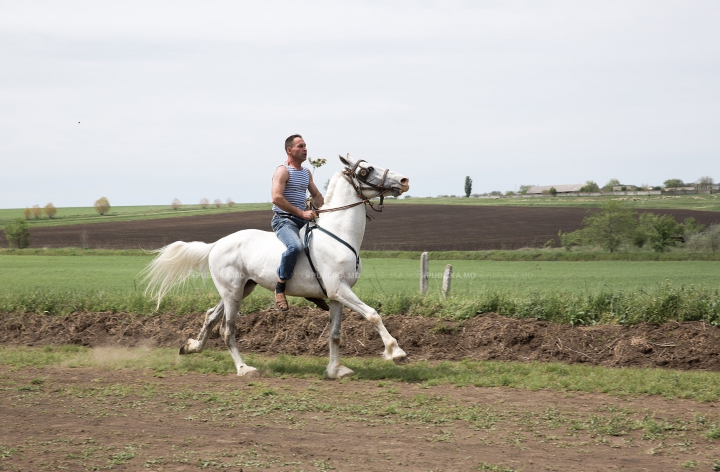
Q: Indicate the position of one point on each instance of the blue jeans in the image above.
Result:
(287, 229)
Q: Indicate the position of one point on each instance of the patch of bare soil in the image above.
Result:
(99, 419)
(96, 418)
(304, 331)
(397, 228)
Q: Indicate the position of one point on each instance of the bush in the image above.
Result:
(230, 202)
(662, 231)
(708, 240)
(609, 227)
(18, 234)
(27, 213)
(50, 210)
(176, 204)
(204, 202)
(217, 202)
(36, 211)
(102, 205)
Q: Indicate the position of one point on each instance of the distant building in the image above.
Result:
(680, 189)
(626, 188)
(539, 189)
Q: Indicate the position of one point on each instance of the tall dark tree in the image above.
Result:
(468, 186)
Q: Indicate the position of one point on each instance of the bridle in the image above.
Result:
(357, 177)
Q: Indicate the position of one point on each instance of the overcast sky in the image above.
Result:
(143, 102)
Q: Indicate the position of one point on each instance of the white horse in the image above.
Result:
(241, 261)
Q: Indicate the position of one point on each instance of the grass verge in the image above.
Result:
(663, 304)
(698, 386)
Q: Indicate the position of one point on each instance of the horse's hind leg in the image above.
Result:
(212, 316)
(335, 370)
(350, 300)
(227, 330)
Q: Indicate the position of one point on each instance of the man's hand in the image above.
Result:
(307, 214)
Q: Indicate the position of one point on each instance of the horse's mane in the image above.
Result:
(331, 187)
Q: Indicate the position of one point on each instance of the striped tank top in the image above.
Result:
(295, 188)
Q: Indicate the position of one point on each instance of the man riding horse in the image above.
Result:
(290, 183)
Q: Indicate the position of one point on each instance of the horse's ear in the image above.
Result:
(345, 161)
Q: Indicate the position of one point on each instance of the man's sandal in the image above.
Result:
(281, 302)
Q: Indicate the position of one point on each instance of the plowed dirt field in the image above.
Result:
(397, 228)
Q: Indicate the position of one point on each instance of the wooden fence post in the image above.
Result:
(447, 276)
(424, 273)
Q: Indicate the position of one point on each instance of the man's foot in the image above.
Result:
(320, 302)
(281, 302)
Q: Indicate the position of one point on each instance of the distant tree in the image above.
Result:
(468, 186)
(204, 202)
(524, 189)
(18, 233)
(609, 227)
(496, 193)
(36, 211)
(327, 184)
(176, 204)
(509, 193)
(661, 231)
(230, 202)
(27, 213)
(590, 187)
(705, 183)
(217, 202)
(102, 205)
(608, 187)
(690, 227)
(673, 183)
(50, 210)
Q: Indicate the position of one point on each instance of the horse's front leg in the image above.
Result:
(335, 370)
(392, 351)
(212, 316)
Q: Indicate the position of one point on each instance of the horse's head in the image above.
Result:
(374, 181)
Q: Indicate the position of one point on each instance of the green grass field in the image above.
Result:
(382, 275)
(82, 215)
(563, 292)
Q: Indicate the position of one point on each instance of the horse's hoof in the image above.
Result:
(182, 350)
(248, 372)
(400, 360)
(341, 373)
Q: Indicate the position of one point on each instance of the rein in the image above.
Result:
(352, 177)
(308, 235)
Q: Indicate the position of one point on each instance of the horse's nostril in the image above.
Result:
(404, 181)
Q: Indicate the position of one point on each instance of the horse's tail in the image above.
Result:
(174, 264)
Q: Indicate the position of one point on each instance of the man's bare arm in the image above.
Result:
(280, 178)
(315, 193)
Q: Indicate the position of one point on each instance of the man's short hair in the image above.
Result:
(289, 141)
